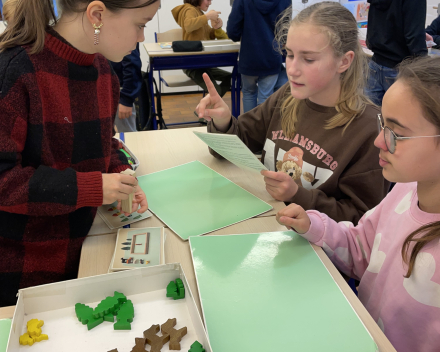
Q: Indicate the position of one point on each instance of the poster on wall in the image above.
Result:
(359, 9)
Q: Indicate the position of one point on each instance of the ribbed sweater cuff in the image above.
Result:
(90, 193)
(317, 228)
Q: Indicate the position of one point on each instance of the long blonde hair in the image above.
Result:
(341, 28)
(32, 18)
(422, 77)
(8, 10)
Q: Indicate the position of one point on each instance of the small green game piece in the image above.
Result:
(172, 290)
(176, 290)
(180, 289)
(109, 305)
(84, 314)
(125, 316)
(196, 347)
(109, 317)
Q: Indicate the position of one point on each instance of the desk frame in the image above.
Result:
(163, 63)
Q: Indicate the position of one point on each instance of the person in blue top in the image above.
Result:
(130, 79)
(261, 67)
(433, 32)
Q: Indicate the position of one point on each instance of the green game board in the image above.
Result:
(5, 328)
(193, 199)
(271, 292)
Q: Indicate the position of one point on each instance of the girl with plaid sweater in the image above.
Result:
(58, 158)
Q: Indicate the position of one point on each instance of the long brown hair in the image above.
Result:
(422, 77)
(33, 17)
(8, 10)
(341, 28)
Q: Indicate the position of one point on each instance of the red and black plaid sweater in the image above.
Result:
(57, 113)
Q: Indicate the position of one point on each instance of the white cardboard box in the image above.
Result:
(146, 287)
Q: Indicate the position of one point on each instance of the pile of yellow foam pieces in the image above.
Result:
(33, 333)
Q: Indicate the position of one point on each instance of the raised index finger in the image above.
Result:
(211, 89)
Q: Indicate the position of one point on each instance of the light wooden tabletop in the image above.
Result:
(163, 149)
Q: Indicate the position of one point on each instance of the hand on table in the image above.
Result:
(294, 217)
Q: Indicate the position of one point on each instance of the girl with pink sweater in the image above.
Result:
(395, 249)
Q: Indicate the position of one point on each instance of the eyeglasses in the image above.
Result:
(390, 137)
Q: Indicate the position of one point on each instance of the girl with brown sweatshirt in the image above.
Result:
(319, 128)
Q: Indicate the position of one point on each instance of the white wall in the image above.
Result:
(431, 13)
(2, 27)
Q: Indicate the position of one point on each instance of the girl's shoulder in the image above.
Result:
(366, 121)
(103, 65)
(13, 56)
(370, 112)
(14, 63)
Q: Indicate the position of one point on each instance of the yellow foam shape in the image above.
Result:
(40, 338)
(25, 339)
(34, 327)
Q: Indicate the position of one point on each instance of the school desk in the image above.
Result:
(97, 252)
(215, 56)
(158, 150)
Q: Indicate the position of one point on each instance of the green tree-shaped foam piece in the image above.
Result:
(109, 305)
(125, 316)
(84, 314)
(196, 347)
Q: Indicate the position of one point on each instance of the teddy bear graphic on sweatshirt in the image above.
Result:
(292, 164)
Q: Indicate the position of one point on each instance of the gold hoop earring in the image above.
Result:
(97, 32)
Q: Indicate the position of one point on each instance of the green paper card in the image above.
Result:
(5, 328)
(193, 199)
(271, 292)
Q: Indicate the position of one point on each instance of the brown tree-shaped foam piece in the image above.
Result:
(175, 335)
(156, 342)
(139, 344)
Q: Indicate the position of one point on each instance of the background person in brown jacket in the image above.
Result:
(193, 17)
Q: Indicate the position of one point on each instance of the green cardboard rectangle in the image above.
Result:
(271, 292)
(5, 328)
(193, 199)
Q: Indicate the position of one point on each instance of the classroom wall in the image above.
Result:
(431, 13)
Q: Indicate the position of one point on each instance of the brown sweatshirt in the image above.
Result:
(195, 24)
(339, 174)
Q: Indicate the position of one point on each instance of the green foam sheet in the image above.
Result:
(193, 199)
(271, 292)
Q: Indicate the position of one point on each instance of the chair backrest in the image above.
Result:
(169, 36)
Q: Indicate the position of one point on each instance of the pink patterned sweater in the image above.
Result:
(407, 310)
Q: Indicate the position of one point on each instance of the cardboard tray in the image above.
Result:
(146, 287)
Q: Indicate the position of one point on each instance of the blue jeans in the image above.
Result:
(380, 78)
(256, 89)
